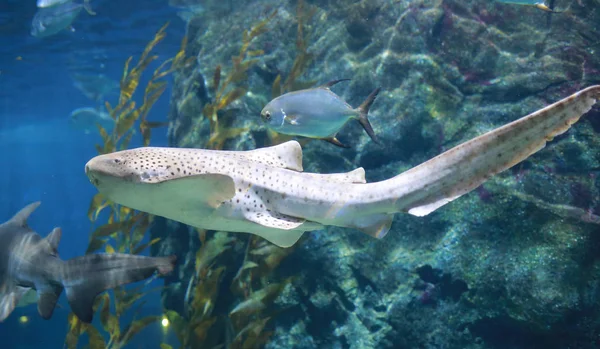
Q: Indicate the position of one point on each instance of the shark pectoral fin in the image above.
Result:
(9, 300)
(286, 155)
(47, 299)
(376, 225)
(283, 230)
(211, 189)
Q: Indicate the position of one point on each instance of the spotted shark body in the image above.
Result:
(29, 262)
(265, 192)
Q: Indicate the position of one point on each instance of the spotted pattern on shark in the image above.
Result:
(265, 192)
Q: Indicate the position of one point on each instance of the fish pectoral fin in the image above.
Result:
(287, 232)
(9, 300)
(211, 189)
(291, 119)
(333, 140)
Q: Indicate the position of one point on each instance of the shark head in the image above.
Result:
(118, 174)
(148, 179)
(114, 174)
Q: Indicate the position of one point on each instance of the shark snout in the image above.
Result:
(90, 174)
(110, 167)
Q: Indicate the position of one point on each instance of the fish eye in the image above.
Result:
(268, 115)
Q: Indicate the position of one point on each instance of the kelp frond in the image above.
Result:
(303, 57)
(301, 62)
(126, 113)
(228, 89)
(125, 229)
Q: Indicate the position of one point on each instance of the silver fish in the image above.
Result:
(316, 113)
(94, 86)
(30, 262)
(86, 119)
(535, 3)
(51, 20)
(265, 192)
(50, 3)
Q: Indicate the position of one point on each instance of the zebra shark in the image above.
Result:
(265, 192)
(29, 262)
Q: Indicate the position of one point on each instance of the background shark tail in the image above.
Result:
(85, 277)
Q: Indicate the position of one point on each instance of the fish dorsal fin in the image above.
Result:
(327, 85)
(354, 176)
(20, 218)
(286, 234)
(286, 155)
(53, 239)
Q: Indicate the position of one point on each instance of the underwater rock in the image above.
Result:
(510, 257)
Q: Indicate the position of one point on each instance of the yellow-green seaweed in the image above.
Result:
(125, 228)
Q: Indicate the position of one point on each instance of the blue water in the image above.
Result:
(43, 157)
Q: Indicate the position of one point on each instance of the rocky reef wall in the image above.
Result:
(515, 263)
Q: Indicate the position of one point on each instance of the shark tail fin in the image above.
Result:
(87, 276)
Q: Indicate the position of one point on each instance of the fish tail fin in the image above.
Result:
(363, 115)
(88, 7)
(87, 276)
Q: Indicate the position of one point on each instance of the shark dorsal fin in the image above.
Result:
(286, 155)
(20, 218)
(354, 176)
(53, 239)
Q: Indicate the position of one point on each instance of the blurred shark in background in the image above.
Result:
(30, 262)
